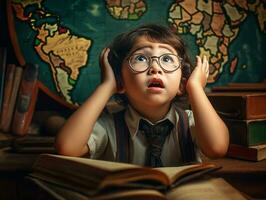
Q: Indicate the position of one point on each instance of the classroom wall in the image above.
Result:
(65, 39)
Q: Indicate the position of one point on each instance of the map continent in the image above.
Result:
(67, 39)
(215, 24)
(124, 9)
(56, 45)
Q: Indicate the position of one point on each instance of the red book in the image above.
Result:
(26, 101)
(9, 80)
(253, 153)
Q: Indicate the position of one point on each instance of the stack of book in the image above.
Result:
(20, 92)
(243, 109)
(18, 97)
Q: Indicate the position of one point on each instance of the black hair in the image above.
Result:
(123, 43)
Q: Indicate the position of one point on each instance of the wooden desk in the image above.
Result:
(247, 177)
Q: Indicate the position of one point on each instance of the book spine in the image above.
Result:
(27, 97)
(3, 55)
(255, 106)
(242, 152)
(13, 98)
(252, 153)
(247, 132)
(246, 106)
(9, 81)
(231, 107)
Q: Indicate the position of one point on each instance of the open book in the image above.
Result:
(204, 188)
(93, 177)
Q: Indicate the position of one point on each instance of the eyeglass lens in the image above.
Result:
(141, 62)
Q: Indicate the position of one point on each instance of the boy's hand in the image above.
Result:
(200, 74)
(107, 74)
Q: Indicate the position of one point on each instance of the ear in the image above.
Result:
(121, 90)
(182, 86)
(120, 87)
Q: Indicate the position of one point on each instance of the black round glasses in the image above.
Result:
(141, 62)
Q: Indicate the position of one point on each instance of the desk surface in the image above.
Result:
(246, 176)
(231, 165)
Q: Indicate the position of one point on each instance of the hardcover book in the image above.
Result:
(93, 177)
(217, 188)
(239, 105)
(253, 153)
(3, 56)
(25, 104)
(8, 86)
(6, 120)
(33, 144)
(246, 132)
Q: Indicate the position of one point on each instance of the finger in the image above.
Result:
(199, 63)
(206, 66)
(101, 59)
(105, 56)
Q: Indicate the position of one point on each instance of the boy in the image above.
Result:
(149, 68)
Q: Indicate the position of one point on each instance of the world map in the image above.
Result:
(66, 39)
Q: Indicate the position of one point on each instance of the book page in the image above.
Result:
(175, 173)
(106, 174)
(99, 164)
(67, 194)
(207, 189)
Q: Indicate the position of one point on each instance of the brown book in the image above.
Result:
(217, 188)
(8, 116)
(9, 80)
(92, 177)
(3, 56)
(27, 96)
(246, 132)
(253, 153)
(33, 144)
(239, 105)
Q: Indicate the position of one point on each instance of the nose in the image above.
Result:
(155, 67)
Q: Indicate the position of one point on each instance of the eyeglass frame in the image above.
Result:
(157, 59)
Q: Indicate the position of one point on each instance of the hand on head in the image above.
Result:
(107, 74)
(200, 74)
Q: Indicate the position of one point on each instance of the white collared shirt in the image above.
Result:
(102, 142)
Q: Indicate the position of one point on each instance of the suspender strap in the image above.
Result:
(184, 135)
(185, 139)
(122, 137)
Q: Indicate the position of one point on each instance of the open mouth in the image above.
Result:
(156, 83)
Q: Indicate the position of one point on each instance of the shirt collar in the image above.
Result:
(132, 118)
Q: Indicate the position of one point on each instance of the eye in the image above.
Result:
(167, 58)
(140, 58)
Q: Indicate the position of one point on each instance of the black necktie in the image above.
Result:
(156, 135)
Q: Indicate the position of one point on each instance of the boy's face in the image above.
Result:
(153, 87)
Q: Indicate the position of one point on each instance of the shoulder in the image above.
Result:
(105, 119)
